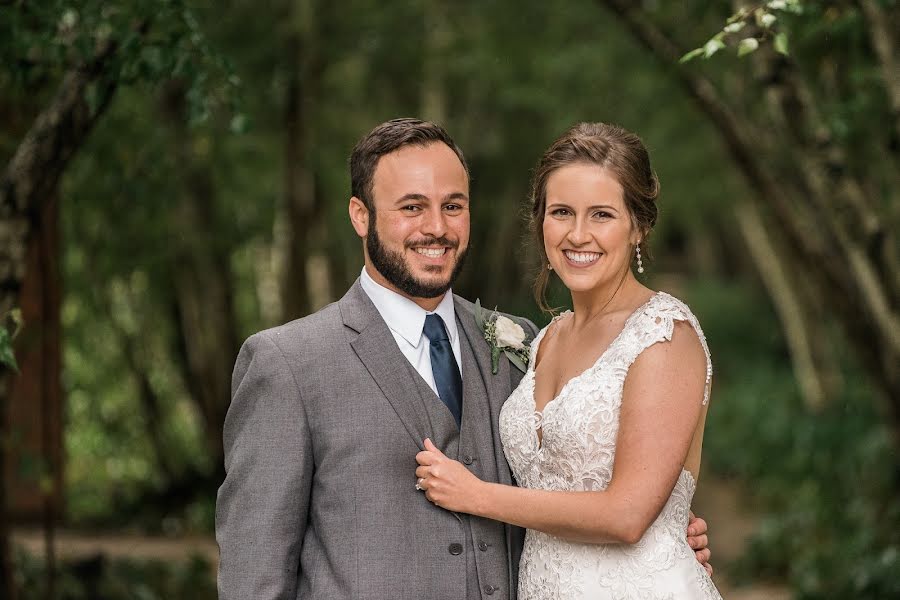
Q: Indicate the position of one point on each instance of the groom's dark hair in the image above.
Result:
(386, 138)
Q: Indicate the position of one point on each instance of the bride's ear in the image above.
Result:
(359, 216)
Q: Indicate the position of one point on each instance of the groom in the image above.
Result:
(329, 411)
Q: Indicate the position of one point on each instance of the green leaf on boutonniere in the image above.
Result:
(515, 360)
(479, 318)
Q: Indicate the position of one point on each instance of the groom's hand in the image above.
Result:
(697, 530)
(446, 482)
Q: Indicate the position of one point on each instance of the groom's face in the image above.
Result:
(418, 232)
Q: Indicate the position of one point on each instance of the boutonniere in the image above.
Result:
(504, 336)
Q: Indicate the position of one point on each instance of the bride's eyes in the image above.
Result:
(565, 212)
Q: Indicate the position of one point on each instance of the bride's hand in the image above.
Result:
(446, 482)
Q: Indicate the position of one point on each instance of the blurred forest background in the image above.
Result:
(175, 178)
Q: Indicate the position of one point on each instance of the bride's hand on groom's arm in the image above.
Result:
(698, 540)
(446, 482)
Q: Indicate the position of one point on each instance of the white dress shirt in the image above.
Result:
(406, 320)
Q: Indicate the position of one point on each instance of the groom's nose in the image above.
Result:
(435, 222)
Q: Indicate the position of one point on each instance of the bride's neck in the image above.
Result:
(592, 304)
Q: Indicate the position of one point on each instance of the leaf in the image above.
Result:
(747, 45)
(781, 43)
(7, 356)
(238, 123)
(516, 361)
(712, 46)
(691, 55)
(479, 318)
(734, 27)
(767, 20)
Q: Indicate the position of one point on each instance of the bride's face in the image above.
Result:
(588, 232)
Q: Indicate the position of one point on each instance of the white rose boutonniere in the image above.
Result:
(504, 336)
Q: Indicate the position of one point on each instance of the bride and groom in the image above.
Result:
(389, 446)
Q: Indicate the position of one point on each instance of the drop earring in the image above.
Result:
(640, 263)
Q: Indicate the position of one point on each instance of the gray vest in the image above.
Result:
(487, 573)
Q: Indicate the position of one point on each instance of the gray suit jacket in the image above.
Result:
(320, 439)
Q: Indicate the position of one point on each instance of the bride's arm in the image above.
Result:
(661, 405)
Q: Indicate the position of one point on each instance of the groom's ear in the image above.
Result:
(359, 216)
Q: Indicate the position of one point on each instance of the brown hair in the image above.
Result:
(386, 138)
(617, 150)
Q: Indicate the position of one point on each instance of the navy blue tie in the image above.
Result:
(447, 379)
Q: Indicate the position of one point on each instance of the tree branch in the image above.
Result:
(884, 42)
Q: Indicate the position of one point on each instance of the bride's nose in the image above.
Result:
(578, 233)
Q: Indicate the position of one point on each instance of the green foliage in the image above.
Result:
(762, 19)
(10, 325)
(507, 93)
(823, 480)
(97, 578)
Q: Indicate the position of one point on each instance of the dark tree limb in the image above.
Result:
(845, 270)
(28, 182)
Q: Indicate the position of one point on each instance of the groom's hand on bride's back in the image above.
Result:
(696, 534)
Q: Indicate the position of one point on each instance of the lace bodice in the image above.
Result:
(577, 451)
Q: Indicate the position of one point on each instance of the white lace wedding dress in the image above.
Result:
(579, 429)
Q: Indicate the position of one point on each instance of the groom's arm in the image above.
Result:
(261, 509)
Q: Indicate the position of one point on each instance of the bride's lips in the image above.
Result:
(580, 259)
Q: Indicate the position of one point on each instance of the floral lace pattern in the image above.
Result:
(576, 452)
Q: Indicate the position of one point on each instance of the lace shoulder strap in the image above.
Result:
(656, 323)
(536, 342)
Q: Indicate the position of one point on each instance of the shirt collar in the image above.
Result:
(403, 316)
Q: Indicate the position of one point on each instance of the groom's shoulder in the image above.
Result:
(312, 334)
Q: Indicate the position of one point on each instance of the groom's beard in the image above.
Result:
(393, 266)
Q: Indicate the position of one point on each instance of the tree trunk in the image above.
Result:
(202, 283)
(28, 183)
(306, 279)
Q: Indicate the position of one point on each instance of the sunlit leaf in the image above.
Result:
(691, 55)
(712, 46)
(781, 43)
(747, 45)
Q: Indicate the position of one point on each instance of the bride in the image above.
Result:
(605, 430)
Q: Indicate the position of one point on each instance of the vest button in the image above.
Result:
(483, 546)
(490, 589)
(455, 549)
(468, 459)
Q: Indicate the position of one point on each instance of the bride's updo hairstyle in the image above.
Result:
(623, 155)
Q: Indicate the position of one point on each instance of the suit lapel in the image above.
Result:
(377, 349)
(497, 386)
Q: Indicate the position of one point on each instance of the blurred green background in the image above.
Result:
(175, 178)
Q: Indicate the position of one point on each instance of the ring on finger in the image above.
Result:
(419, 482)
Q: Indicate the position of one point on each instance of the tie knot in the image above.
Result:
(434, 329)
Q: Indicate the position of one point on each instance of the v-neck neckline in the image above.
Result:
(539, 414)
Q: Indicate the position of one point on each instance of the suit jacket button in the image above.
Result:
(483, 546)
(490, 589)
(455, 549)
(468, 459)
